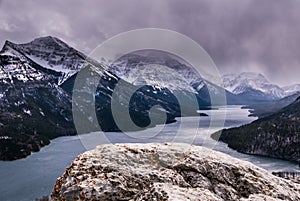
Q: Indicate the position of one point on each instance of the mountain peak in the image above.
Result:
(157, 68)
(48, 52)
(7, 45)
(250, 81)
(43, 43)
(50, 42)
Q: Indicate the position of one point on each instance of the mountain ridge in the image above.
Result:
(242, 83)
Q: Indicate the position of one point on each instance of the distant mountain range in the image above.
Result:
(256, 87)
(290, 90)
(36, 88)
(164, 70)
(245, 88)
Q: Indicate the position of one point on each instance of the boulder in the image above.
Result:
(165, 171)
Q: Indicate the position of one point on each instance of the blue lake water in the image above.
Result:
(35, 176)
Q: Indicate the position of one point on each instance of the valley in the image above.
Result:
(37, 84)
(149, 100)
(35, 176)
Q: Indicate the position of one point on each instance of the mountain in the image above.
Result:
(277, 135)
(138, 104)
(33, 107)
(37, 85)
(51, 53)
(253, 86)
(37, 80)
(292, 89)
(164, 70)
(167, 172)
(157, 68)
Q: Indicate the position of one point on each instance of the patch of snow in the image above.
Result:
(5, 137)
(41, 112)
(8, 53)
(27, 112)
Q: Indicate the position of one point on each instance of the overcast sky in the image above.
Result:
(240, 35)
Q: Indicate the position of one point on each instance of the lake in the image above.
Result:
(35, 176)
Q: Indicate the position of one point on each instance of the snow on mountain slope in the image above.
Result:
(51, 53)
(159, 76)
(241, 83)
(14, 66)
(292, 89)
(159, 68)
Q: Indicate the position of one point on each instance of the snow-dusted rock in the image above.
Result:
(167, 172)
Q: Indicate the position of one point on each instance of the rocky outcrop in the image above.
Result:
(167, 172)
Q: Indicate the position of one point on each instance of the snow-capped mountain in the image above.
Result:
(164, 70)
(252, 84)
(292, 89)
(158, 68)
(33, 108)
(159, 76)
(16, 66)
(51, 53)
(36, 86)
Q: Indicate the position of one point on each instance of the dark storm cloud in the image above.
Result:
(247, 35)
(240, 35)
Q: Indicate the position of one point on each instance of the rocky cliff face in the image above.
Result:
(167, 172)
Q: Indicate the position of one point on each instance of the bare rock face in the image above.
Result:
(167, 172)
